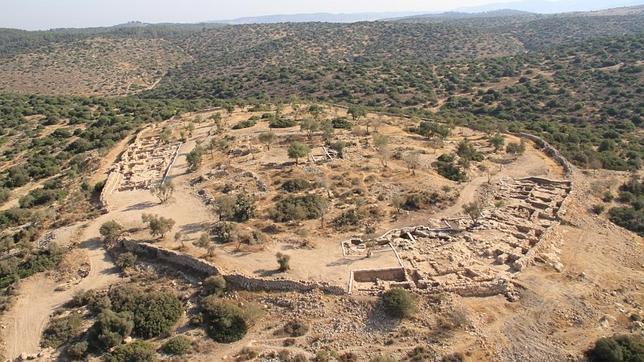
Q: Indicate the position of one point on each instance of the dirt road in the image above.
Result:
(38, 296)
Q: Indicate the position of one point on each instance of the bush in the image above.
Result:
(154, 313)
(445, 167)
(305, 207)
(40, 197)
(348, 218)
(4, 195)
(223, 232)
(225, 322)
(215, 285)
(60, 330)
(281, 123)
(597, 209)
(399, 303)
(341, 123)
(111, 231)
(245, 124)
(515, 148)
(159, 225)
(109, 330)
(295, 185)
(628, 218)
(137, 351)
(244, 208)
(77, 351)
(296, 328)
(177, 346)
(617, 349)
(125, 260)
(421, 200)
(283, 261)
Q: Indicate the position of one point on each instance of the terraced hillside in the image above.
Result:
(95, 66)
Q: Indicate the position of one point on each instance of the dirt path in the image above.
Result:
(38, 296)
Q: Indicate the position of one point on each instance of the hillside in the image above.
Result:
(454, 187)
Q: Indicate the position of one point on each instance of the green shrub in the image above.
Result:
(215, 285)
(296, 328)
(245, 124)
(4, 195)
(295, 185)
(177, 346)
(225, 322)
(399, 303)
(421, 200)
(154, 313)
(281, 123)
(77, 351)
(244, 208)
(137, 351)
(617, 349)
(40, 197)
(597, 209)
(348, 218)
(109, 330)
(628, 218)
(224, 232)
(515, 148)
(125, 260)
(445, 167)
(304, 207)
(60, 330)
(341, 123)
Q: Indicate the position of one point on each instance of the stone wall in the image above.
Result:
(549, 150)
(371, 275)
(111, 183)
(190, 264)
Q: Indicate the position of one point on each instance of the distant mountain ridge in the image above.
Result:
(317, 17)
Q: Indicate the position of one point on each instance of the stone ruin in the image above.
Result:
(469, 258)
(145, 163)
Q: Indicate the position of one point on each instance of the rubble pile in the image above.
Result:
(145, 162)
(470, 257)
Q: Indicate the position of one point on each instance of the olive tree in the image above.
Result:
(298, 150)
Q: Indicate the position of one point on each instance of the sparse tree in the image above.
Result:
(166, 135)
(125, 260)
(194, 159)
(178, 238)
(397, 202)
(473, 210)
(309, 126)
(298, 150)
(163, 191)
(412, 160)
(267, 138)
(327, 131)
(381, 142)
(203, 241)
(357, 112)
(111, 231)
(159, 226)
(497, 141)
(225, 206)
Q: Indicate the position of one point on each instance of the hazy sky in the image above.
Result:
(45, 14)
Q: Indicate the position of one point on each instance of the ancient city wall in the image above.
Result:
(549, 150)
(204, 268)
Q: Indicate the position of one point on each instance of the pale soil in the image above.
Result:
(556, 316)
